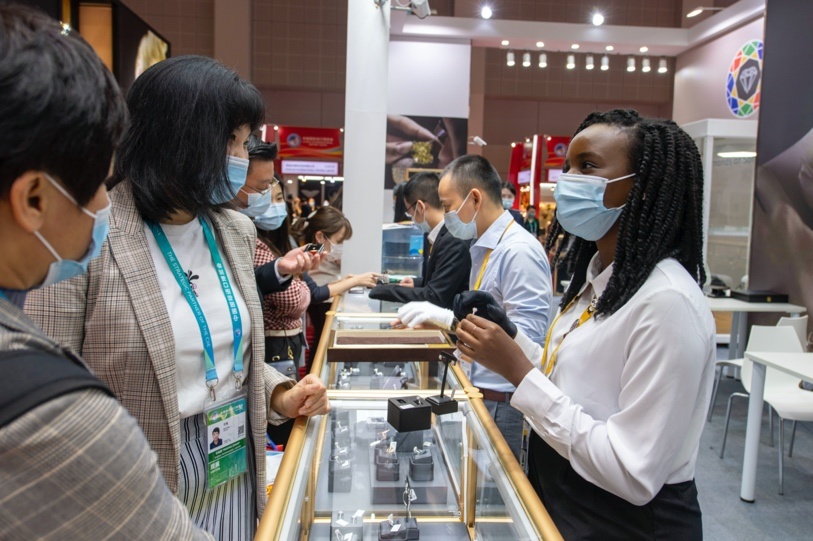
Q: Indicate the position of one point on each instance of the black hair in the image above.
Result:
(399, 209)
(216, 430)
(260, 150)
(183, 112)
(662, 218)
(328, 220)
(61, 110)
(473, 171)
(510, 187)
(424, 187)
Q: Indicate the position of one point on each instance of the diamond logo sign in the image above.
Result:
(744, 80)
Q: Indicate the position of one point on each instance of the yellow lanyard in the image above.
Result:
(547, 365)
(485, 260)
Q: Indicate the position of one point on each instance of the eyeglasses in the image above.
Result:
(408, 210)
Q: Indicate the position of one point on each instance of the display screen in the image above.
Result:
(136, 47)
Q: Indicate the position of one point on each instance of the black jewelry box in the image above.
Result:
(409, 413)
(388, 471)
(340, 476)
(750, 295)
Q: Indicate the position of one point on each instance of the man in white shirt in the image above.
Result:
(506, 261)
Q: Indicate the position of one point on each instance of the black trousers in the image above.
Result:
(583, 511)
(276, 352)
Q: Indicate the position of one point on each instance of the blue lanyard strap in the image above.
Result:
(200, 317)
(3, 295)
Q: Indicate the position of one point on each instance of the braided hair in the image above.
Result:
(663, 216)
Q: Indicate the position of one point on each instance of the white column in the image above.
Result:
(365, 132)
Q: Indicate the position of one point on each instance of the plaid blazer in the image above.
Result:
(115, 317)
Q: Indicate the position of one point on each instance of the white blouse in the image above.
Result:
(627, 399)
(190, 247)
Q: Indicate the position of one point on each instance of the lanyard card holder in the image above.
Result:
(226, 438)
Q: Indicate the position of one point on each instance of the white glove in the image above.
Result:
(413, 314)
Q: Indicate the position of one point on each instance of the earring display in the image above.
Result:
(348, 526)
(401, 528)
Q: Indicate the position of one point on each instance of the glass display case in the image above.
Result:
(351, 476)
(728, 150)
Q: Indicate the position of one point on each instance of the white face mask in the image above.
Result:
(335, 253)
(457, 227)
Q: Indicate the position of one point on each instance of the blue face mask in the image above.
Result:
(64, 269)
(580, 205)
(423, 226)
(508, 203)
(258, 203)
(272, 218)
(238, 171)
(455, 225)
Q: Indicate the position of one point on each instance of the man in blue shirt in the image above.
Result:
(506, 261)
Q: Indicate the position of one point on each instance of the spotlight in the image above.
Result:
(631, 64)
(486, 12)
(598, 19)
(662, 65)
(644, 49)
(574, 46)
(605, 63)
(505, 43)
(540, 44)
(645, 65)
(571, 61)
(526, 59)
(590, 64)
(697, 11)
(543, 60)
(609, 48)
(509, 59)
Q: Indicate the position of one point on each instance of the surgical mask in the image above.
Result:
(237, 172)
(423, 226)
(64, 269)
(273, 217)
(335, 253)
(258, 203)
(580, 205)
(508, 203)
(456, 226)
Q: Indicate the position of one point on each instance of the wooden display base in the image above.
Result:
(387, 345)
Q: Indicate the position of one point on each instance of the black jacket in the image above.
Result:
(447, 274)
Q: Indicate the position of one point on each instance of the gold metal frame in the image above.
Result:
(270, 527)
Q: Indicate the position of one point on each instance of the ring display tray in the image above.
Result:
(390, 345)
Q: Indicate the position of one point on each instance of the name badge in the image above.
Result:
(226, 432)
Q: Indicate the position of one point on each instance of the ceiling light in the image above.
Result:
(540, 44)
(598, 19)
(605, 63)
(513, 145)
(486, 13)
(526, 59)
(737, 154)
(341, 130)
(574, 46)
(509, 59)
(662, 65)
(589, 64)
(645, 65)
(543, 60)
(644, 49)
(631, 64)
(609, 48)
(290, 181)
(276, 128)
(697, 11)
(571, 61)
(504, 43)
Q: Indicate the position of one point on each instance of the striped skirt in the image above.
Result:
(228, 511)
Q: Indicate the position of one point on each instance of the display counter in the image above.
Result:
(348, 475)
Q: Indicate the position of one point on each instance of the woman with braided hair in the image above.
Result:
(618, 406)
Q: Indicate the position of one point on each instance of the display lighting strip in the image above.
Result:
(590, 63)
(319, 178)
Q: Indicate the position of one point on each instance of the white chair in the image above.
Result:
(782, 391)
(799, 324)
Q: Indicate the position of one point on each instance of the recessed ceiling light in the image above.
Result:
(605, 63)
(662, 66)
(504, 42)
(540, 44)
(543, 60)
(509, 59)
(574, 46)
(486, 12)
(589, 64)
(598, 19)
(644, 49)
(631, 64)
(737, 154)
(645, 67)
(694, 12)
(526, 59)
(571, 62)
(609, 48)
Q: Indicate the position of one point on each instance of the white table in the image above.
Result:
(799, 365)
(736, 345)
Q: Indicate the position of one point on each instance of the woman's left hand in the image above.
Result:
(490, 346)
(308, 397)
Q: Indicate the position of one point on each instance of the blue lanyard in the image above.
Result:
(3, 295)
(189, 295)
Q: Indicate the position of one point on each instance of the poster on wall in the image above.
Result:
(744, 80)
(422, 142)
(782, 238)
(136, 45)
(301, 143)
